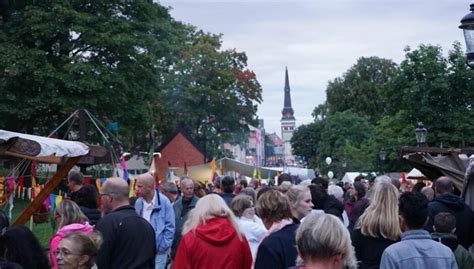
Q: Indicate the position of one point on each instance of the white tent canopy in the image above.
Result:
(350, 176)
(415, 174)
(49, 146)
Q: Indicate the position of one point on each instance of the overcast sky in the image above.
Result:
(318, 40)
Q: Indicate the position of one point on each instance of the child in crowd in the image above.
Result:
(444, 228)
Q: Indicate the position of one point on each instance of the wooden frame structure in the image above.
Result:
(64, 153)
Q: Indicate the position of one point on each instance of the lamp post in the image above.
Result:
(382, 158)
(467, 25)
(420, 134)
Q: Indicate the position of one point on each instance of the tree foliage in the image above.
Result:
(211, 92)
(360, 89)
(306, 139)
(376, 105)
(128, 61)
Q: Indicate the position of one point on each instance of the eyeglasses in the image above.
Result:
(64, 252)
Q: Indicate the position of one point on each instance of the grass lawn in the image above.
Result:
(43, 231)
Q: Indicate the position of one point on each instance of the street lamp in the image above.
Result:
(420, 134)
(382, 158)
(382, 155)
(467, 25)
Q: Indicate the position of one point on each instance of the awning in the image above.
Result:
(44, 149)
(435, 167)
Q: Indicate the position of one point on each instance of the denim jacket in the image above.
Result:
(417, 250)
(162, 220)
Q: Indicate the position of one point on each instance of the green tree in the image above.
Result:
(437, 91)
(342, 132)
(127, 61)
(211, 94)
(361, 87)
(305, 141)
(106, 57)
(320, 112)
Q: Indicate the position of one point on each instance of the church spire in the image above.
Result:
(287, 112)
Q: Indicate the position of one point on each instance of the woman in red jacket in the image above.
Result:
(212, 239)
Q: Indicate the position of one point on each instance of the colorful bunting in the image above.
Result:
(52, 200)
(123, 165)
(58, 200)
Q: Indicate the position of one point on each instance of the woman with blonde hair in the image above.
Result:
(300, 202)
(69, 219)
(324, 242)
(378, 227)
(78, 250)
(212, 238)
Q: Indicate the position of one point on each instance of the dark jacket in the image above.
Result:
(181, 211)
(93, 214)
(463, 257)
(4, 264)
(129, 241)
(369, 249)
(328, 203)
(448, 202)
(357, 210)
(227, 198)
(278, 250)
(333, 206)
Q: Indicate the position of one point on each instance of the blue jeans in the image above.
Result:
(160, 261)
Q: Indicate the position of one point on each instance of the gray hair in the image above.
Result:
(294, 193)
(322, 236)
(428, 192)
(383, 178)
(169, 187)
(336, 191)
(250, 192)
(305, 182)
(184, 179)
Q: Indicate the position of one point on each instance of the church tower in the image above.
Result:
(288, 121)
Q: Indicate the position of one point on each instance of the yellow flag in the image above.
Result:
(58, 200)
(213, 165)
(33, 182)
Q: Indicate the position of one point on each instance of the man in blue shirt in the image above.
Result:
(157, 210)
(416, 250)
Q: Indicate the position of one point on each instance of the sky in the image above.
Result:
(318, 40)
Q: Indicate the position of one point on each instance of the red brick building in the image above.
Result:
(178, 149)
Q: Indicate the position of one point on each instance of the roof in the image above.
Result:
(170, 138)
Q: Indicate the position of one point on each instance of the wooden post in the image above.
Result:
(35, 205)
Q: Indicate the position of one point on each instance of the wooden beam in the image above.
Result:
(431, 150)
(35, 205)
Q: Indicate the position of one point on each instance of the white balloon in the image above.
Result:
(330, 174)
(328, 160)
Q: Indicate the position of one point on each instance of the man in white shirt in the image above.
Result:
(157, 210)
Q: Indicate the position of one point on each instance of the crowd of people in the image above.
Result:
(238, 224)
